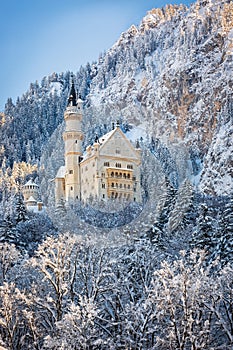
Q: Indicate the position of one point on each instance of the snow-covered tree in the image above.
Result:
(9, 255)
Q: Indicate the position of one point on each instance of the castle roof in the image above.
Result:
(30, 183)
(31, 199)
(72, 99)
(103, 139)
(61, 172)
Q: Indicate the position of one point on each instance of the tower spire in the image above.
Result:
(72, 100)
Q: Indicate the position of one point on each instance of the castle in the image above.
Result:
(31, 195)
(109, 169)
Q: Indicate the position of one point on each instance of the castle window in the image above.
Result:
(112, 174)
(118, 165)
(118, 151)
(129, 166)
(128, 186)
(103, 195)
(120, 185)
(112, 194)
(128, 176)
(134, 199)
(71, 188)
(76, 141)
(106, 163)
(112, 184)
(71, 172)
(103, 185)
(124, 185)
(93, 164)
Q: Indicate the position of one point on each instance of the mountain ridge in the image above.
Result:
(170, 73)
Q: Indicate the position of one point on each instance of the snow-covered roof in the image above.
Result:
(31, 199)
(103, 139)
(61, 172)
(30, 183)
(79, 100)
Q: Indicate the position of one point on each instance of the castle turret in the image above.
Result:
(73, 137)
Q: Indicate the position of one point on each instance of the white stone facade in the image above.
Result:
(108, 170)
(31, 197)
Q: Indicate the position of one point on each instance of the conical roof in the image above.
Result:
(72, 100)
(30, 182)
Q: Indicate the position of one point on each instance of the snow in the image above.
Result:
(216, 174)
(34, 209)
(137, 132)
(61, 172)
(103, 139)
(31, 199)
(30, 183)
(56, 87)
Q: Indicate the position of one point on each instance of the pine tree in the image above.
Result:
(183, 213)
(205, 231)
(8, 232)
(168, 199)
(20, 209)
(224, 240)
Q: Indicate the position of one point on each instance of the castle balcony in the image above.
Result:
(121, 174)
(116, 193)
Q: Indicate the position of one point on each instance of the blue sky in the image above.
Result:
(39, 37)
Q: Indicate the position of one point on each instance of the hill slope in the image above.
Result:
(171, 77)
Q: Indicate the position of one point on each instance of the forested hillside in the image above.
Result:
(152, 276)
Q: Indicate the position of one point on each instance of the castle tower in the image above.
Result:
(73, 137)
